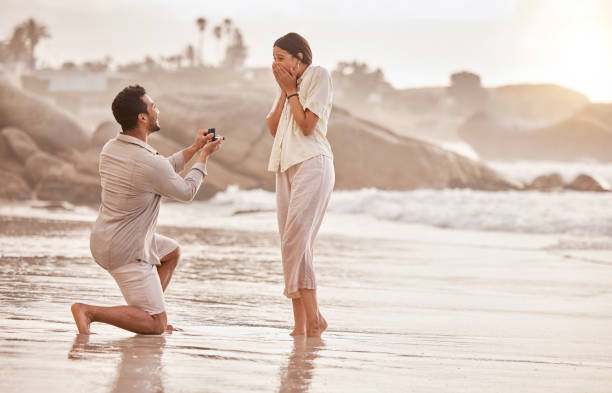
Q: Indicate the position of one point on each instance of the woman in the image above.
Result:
(303, 161)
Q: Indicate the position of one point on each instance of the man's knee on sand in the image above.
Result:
(158, 323)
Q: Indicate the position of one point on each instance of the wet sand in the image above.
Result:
(434, 310)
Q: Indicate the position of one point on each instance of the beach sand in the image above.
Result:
(426, 310)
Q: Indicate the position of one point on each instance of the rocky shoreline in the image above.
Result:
(46, 155)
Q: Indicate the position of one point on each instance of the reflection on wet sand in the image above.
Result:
(140, 367)
(297, 375)
(425, 312)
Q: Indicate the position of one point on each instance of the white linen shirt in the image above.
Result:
(134, 177)
(291, 146)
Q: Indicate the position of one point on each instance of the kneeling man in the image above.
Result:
(134, 178)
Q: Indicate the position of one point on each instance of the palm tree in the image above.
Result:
(190, 55)
(218, 32)
(33, 32)
(17, 46)
(201, 22)
(228, 24)
(236, 53)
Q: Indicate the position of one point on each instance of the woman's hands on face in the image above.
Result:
(286, 78)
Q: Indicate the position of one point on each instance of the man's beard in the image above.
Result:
(154, 126)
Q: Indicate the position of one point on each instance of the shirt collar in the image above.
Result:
(136, 141)
(307, 70)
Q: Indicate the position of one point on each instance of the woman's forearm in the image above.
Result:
(306, 120)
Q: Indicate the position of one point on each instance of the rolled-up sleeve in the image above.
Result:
(318, 95)
(168, 183)
(177, 160)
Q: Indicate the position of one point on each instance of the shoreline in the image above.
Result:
(428, 308)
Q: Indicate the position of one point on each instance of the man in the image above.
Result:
(123, 241)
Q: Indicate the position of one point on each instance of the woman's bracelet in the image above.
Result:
(294, 94)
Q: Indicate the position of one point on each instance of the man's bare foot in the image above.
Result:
(78, 346)
(79, 313)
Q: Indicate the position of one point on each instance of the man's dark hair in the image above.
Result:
(127, 105)
(294, 44)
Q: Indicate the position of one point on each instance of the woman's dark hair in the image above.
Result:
(294, 44)
(127, 105)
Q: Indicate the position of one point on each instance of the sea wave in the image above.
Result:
(577, 213)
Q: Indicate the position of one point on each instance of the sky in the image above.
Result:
(415, 43)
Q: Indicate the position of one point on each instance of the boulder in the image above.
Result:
(5, 150)
(105, 131)
(584, 135)
(83, 161)
(21, 144)
(219, 178)
(551, 182)
(52, 128)
(8, 160)
(366, 154)
(164, 145)
(75, 188)
(42, 165)
(536, 104)
(584, 182)
(13, 187)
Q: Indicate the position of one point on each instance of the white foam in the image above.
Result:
(576, 213)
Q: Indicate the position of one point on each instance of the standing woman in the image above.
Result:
(303, 162)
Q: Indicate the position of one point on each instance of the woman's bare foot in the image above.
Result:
(317, 330)
(313, 332)
(79, 313)
(322, 322)
(297, 332)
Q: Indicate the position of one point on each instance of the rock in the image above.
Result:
(13, 166)
(83, 161)
(5, 149)
(76, 188)
(550, 182)
(164, 145)
(13, 187)
(586, 134)
(42, 165)
(105, 131)
(431, 113)
(219, 178)
(366, 154)
(246, 150)
(223, 177)
(585, 182)
(536, 104)
(20, 143)
(8, 160)
(52, 128)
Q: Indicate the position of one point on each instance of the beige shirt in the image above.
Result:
(134, 177)
(291, 146)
